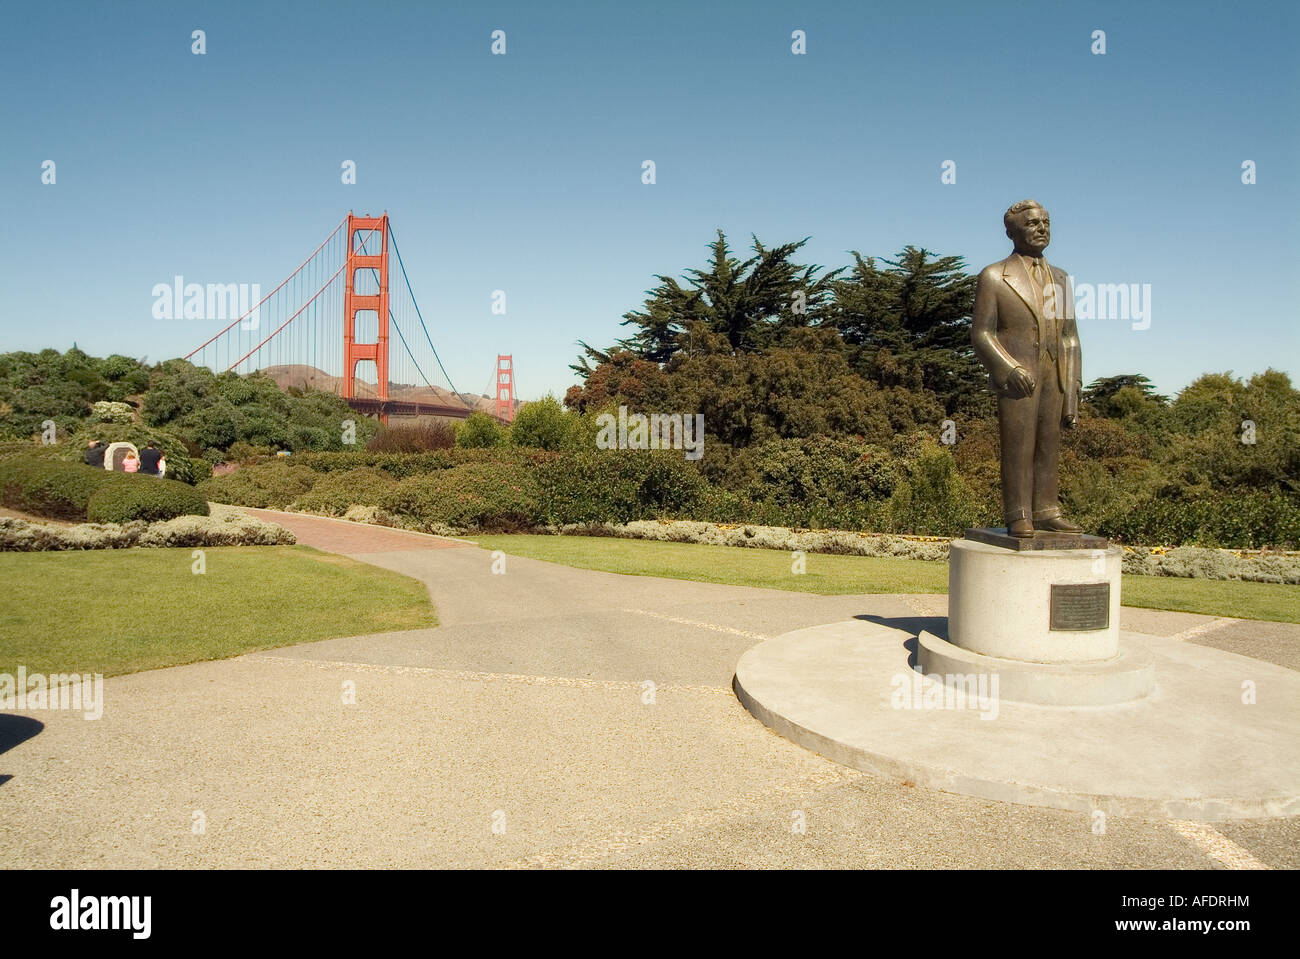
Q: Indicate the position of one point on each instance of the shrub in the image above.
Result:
(815, 482)
(396, 465)
(1228, 519)
(247, 453)
(480, 431)
(29, 450)
(226, 529)
(20, 536)
(333, 493)
(402, 465)
(472, 496)
(754, 536)
(618, 486)
(1199, 563)
(144, 498)
(272, 485)
(932, 499)
(418, 437)
(53, 488)
(369, 514)
(544, 424)
(111, 411)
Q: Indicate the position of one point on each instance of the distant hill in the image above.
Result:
(309, 377)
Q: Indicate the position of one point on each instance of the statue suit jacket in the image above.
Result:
(1008, 328)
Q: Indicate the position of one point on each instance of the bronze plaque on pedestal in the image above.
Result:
(1078, 606)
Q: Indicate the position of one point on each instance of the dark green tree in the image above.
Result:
(909, 325)
(738, 305)
(1100, 393)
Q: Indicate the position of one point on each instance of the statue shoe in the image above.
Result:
(1020, 527)
(1057, 524)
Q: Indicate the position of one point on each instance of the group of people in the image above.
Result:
(151, 461)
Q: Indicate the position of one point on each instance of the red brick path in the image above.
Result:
(342, 536)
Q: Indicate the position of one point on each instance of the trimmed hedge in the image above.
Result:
(272, 485)
(18, 535)
(144, 498)
(498, 497)
(29, 450)
(618, 486)
(811, 484)
(50, 487)
(75, 491)
(402, 465)
(333, 493)
(1233, 520)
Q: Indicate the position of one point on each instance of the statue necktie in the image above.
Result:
(1047, 297)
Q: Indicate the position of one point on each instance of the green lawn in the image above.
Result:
(864, 574)
(120, 611)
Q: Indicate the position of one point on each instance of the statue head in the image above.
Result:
(1029, 227)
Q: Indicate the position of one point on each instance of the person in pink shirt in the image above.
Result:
(130, 463)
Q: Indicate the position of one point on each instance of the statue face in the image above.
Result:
(1031, 231)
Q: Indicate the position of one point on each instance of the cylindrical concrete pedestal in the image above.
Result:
(1011, 604)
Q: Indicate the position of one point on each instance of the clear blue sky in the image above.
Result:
(523, 172)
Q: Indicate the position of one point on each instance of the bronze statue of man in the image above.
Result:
(1024, 333)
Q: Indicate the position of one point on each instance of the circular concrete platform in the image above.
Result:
(1217, 738)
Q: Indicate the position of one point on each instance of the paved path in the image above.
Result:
(342, 536)
(557, 717)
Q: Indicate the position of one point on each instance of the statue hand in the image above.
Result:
(1069, 421)
(1020, 383)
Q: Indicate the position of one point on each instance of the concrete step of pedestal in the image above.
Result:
(1125, 677)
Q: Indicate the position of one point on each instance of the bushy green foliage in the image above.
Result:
(500, 497)
(544, 424)
(74, 491)
(219, 410)
(401, 465)
(333, 493)
(270, 485)
(26, 449)
(206, 410)
(932, 498)
(803, 389)
(619, 485)
(145, 498)
(61, 387)
(480, 431)
(1242, 520)
(812, 483)
(903, 326)
(54, 488)
(913, 486)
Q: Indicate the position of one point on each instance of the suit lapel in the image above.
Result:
(1016, 276)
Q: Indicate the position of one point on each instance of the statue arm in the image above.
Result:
(984, 327)
(1074, 357)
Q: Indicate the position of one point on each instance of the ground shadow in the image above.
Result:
(15, 730)
(913, 626)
